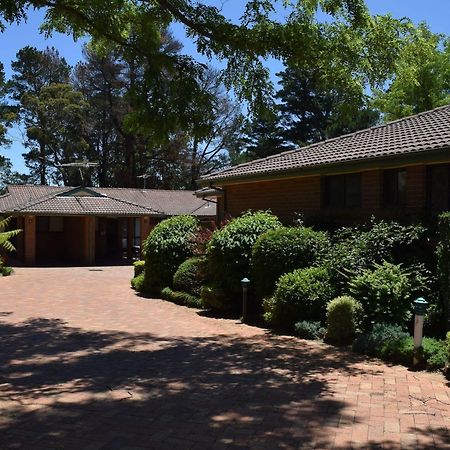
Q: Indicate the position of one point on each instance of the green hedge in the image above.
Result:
(190, 276)
(229, 252)
(167, 246)
(139, 267)
(443, 255)
(283, 250)
(181, 298)
(301, 295)
(344, 315)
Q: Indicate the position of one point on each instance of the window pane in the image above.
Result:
(401, 187)
(335, 191)
(438, 195)
(353, 190)
(390, 185)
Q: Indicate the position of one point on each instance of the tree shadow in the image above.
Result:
(63, 387)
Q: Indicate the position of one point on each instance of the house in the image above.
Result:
(91, 225)
(396, 170)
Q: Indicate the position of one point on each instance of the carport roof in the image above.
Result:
(56, 200)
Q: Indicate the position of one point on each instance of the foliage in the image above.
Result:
(386, 293)
(214, 298)
(309, 330)
(190, 276)
(139, 267)
(284, 250)
(299, 295)
(313, 110)
(434, 353)
(443, 267)
(138, 283)
(358, 248)
(344, 316)
(421, 78)
(181, 298)
(230, 248)
(6, 235)
(167, 246)
(447, 366)
(372, 342)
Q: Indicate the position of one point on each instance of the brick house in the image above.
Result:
(397, 170)
(91, 225)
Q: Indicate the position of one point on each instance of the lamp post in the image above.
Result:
(420, 309)
(245, 283)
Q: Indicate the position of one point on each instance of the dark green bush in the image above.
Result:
(6, 271)
(229, 252)
(167, 246)
(283, 250)
(299, 295)
(443, 256)
(371, 343)
(181, 298)
(139, 267)
(214, 298)
(190, 276)
(447, 366)
(435, 353)
(344, 315)
(358, 248)
(309, 330)
(386, 293)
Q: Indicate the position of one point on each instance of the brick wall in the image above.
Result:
(304, 195)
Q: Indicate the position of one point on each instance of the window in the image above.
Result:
(438, 187)
(394, 187)
(343, 191)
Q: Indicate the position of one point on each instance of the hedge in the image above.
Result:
(283, 250)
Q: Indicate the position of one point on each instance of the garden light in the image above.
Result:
(420, 309)
(245, 283)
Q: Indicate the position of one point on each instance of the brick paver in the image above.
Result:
(85, 363)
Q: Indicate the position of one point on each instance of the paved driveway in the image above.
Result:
(85, 363)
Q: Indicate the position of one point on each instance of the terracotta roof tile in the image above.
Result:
(426, 131)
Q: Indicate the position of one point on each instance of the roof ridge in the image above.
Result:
(134, 204)
(337, 138)
(145, 190)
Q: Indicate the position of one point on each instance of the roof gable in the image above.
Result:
(80, 192)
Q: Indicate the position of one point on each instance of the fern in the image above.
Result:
(5, 236)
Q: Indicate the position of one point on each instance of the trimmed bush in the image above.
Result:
(283, 250)
(309, 330)
(344, 316)
(385, 293)
(299, 295)
(190, 276)
(139, 267)
(167, 246)
(229, 252)
(137, 282)
(181, 298)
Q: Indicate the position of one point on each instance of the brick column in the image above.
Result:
(130, 235)
(30, 240)
(89, 240)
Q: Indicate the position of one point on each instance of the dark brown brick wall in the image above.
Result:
(304, 195)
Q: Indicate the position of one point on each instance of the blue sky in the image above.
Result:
(434, 12)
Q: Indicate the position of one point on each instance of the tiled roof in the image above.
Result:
(423, 132)
(102, 201)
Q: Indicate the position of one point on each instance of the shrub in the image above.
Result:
(344, 316)
(299, 295)
(385, 293)
(283, 250)
(443, 256)
(309, 330)
(137, 282)
(214, 298)
(371, 343)
(139, 267)
(358, 248)
(229, 252)
(190, 276)
(6, 271)
(435, 353)
(167, 246)
(447, 367)
(181, 298)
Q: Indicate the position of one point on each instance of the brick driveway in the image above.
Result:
(85, 363)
